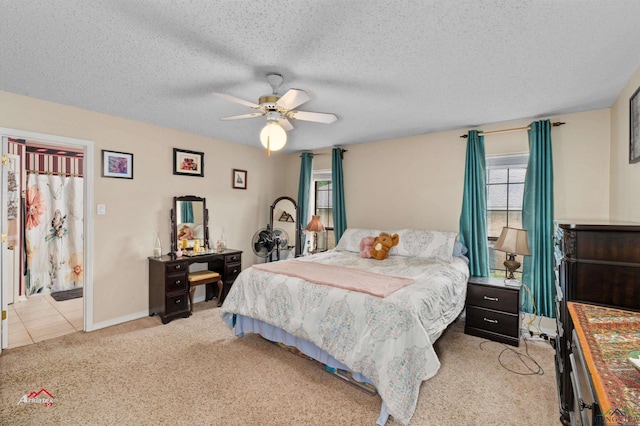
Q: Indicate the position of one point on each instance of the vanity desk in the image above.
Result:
(169, 274)
(169, 283)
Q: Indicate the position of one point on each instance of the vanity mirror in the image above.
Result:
(284, 216)
(189, 224)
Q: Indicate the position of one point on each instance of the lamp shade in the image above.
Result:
(315, 225)
(513, 241)
(273, 137)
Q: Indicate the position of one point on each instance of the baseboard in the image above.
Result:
(137, 315)
(539, 325)
(119, 320)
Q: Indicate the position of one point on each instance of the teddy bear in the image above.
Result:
(382, 244)
(186, 233)
(366, 244)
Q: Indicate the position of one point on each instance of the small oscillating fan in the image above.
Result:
(267, 241)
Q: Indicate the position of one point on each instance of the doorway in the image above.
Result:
(31, 299)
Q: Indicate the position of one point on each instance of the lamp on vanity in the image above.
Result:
(315, 226)
(512, 241)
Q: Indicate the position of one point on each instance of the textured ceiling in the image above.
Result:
(386, 69)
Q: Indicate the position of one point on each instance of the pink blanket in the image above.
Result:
(338, 276)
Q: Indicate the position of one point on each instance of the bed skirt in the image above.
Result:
(242, 324)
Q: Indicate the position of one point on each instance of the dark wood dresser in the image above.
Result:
(493, 310)
(598, 264)
(169, 283)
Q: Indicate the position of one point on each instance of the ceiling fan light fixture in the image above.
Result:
(279, 111)
(273, 137)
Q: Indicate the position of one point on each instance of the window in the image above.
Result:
(505, 193)
(323, 207)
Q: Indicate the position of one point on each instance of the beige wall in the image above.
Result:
(125, 236)
(580, 161)
(411, 182)
(417, 182)
(625, 177)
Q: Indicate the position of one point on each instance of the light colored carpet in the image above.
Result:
(194, 371)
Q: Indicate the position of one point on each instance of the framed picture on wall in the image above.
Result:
(117, 164)
(239, 179)
(634, 127)
(188, 163)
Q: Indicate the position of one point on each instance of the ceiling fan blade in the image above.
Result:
(238, 100)
(293, 98)
(285, 124)
(240, 117)
(318, 117)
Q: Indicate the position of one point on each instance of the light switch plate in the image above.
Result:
(102, 209)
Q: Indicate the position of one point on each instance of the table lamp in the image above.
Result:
(315, 226)
(512, 241)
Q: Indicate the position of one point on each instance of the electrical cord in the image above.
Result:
(534, 314)
(538, 370)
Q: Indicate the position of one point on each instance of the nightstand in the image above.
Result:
(493, 310)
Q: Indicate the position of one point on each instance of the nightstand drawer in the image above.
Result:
(492, 297)
(493, 321)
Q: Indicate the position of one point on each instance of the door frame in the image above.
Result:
(88, 186)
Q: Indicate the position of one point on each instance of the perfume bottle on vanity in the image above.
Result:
(157, 248)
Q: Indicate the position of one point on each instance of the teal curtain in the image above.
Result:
(304, 195)
(337, 178)
(473, 219)
(537, 219)
(186, 212)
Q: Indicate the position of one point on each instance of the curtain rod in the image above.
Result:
(493, 132)
(40, 172)
(324, 153)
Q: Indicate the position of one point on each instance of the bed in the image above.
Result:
(384, 341)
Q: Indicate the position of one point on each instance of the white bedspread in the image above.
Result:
(388, 340)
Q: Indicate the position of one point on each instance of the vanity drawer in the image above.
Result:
(493, 321)
(177, 303)
(180, 266)
(492, 297)
(177, 282)
(232, 258)
(231, 270)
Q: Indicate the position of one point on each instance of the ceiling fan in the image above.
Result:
(278, 110)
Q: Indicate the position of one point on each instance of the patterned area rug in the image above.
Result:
(610, 335)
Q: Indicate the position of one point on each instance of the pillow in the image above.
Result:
(459, 249)
(198, 230)
(350, 240)
(428, 244)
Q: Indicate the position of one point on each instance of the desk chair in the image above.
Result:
(201, 278)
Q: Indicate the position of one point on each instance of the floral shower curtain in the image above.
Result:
(53, 233)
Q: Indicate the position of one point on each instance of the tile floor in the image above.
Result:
(41, 318)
